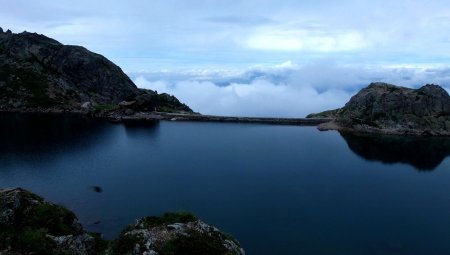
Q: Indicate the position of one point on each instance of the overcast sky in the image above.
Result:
(172, 44)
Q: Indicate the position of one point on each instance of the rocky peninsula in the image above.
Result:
(389, 109)
(31, 225)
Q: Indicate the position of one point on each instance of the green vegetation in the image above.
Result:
(193, 244)
(34, 220)
(101, 245)
(56, 219)
(125, 244)
(106, 107)
(392, 88)
(167, 109)
(34, 83)
(230, 237)
(168, 218)
(420, 93)
(325, 114)
(35, 223)
(37, 85)
(26, 240)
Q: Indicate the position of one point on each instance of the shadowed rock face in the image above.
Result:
(39, 72)
(425, 154)
(387, 108)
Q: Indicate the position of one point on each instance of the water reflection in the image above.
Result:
(423, 153)
(141, 129)
(27, 136)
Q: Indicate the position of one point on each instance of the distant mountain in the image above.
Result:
(38, 73)
(390, 109)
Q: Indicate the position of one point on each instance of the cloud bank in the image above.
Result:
(285, 90)
(258, 98)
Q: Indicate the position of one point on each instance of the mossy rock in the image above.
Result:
(175, 234)
(168, 218)
(31, 225)
(28, 224)
(193, 244)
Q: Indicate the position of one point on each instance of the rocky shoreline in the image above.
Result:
(31, 225)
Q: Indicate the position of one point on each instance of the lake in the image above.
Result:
(277, 189)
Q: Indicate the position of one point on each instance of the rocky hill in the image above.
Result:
(390, 109)
(38, 73)
(31, 225)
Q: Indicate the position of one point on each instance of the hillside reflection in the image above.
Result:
(423, 153)
(36, 139)
(36, 133)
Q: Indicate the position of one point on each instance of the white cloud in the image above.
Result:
(259, 98)
(274, 41)
(285, 90)
(308, 41)
(204, 33)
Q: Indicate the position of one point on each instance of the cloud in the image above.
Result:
(239, 20)
(204, 33)
(259, 98)
(285, 90)
(304, 40)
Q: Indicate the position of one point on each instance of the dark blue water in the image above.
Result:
(278, 189)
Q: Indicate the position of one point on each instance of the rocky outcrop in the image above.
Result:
(175, 233)
(39, 73)
(389, 109)
(31, 225)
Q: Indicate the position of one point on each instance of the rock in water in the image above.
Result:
(389, 109)
(37, 72)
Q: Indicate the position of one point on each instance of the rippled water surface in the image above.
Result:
(278, 189)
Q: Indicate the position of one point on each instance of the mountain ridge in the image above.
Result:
(38, 73)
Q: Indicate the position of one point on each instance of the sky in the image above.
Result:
(253, 57)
